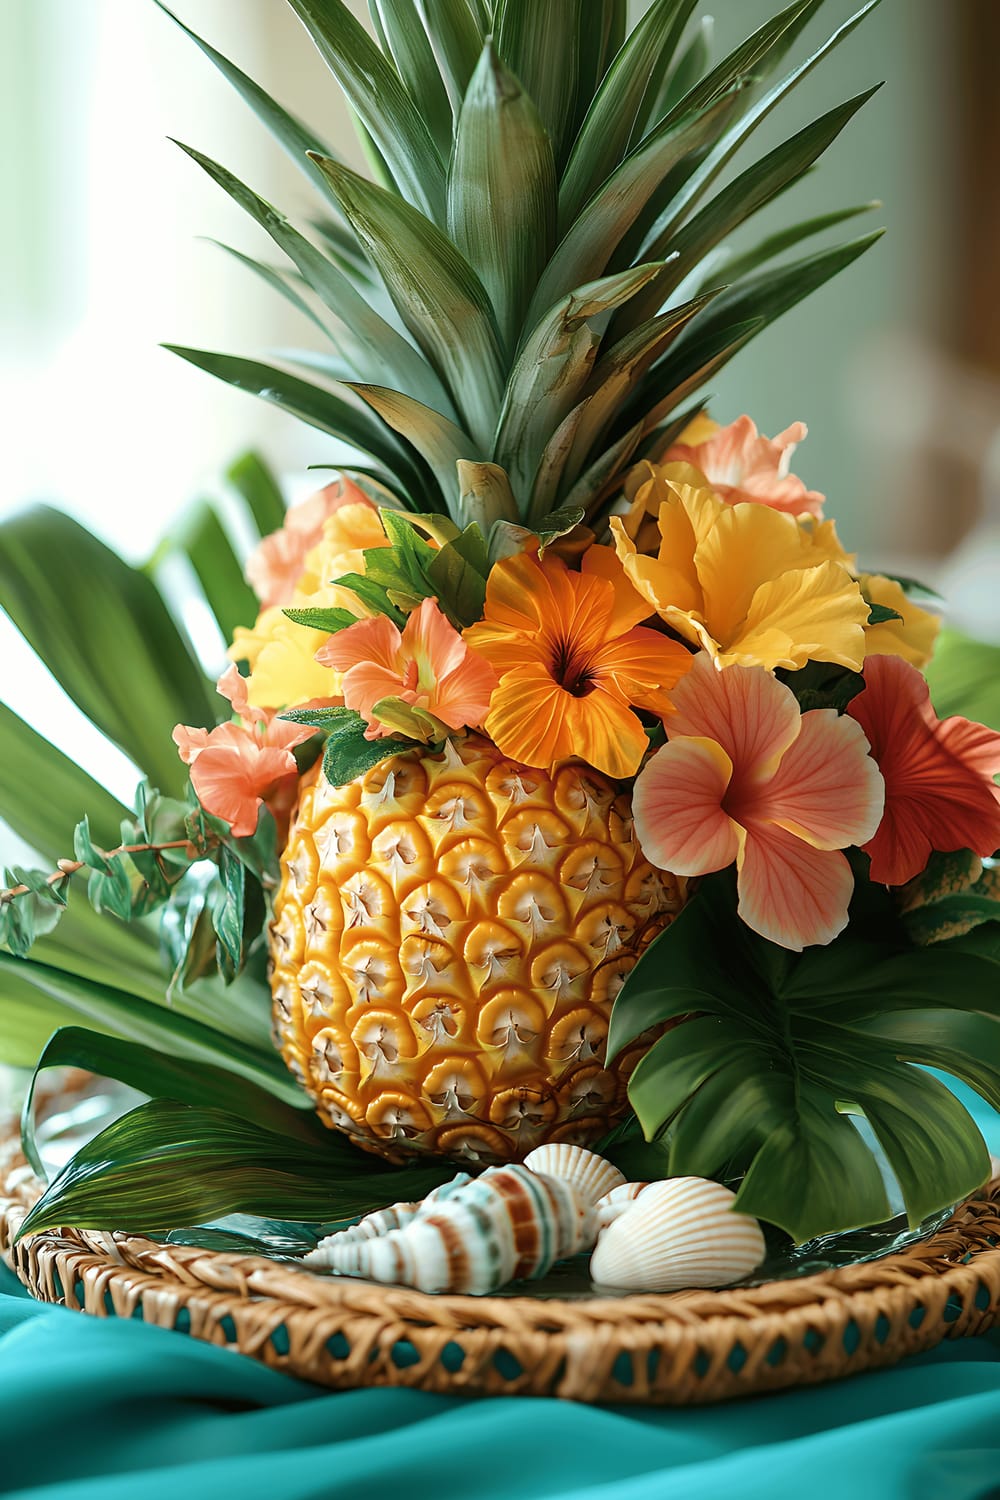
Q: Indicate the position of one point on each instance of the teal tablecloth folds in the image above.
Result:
(94, 1409)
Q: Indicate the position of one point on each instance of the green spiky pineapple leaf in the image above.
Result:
(770, 1052)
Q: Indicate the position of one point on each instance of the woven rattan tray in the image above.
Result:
(686, 1348)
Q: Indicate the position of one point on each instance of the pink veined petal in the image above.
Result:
(232, 780)
(433, 643)
(744, 709)
(376, 640)
(462, 696)
(790, 893)
(366, 683)
(233, 687)
(190, 742)
(677, 806)
(827, 789)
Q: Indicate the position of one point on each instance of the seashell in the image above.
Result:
(395, 1216)
(613, 1204)
(587, 1171)
(472, 1236)
(680, 1233)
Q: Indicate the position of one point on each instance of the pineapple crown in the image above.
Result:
(531, 289)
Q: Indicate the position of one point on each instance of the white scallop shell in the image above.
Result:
(680, 1233)
(472, 1235)
(613, 1204)
(587, 1171)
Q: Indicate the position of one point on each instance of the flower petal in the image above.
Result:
(615, 739)
(677, 806)
(232, 777)
(527, 718)
(747, 711)
(827, 789)
(790, 893)
(911, 637)
(940, 792)
(376, 640)
(811, 614)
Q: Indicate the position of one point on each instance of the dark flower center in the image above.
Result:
(571, 670)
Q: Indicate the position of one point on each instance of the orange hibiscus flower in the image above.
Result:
(573, 663)
(421, 682)
(939, 787)
(237, 767)
(742, 465)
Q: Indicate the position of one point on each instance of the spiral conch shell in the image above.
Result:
(589, 1173)
(680, 1233)
(471, 1236)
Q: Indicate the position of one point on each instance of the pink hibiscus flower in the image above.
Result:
(939, 787)
(237, 767)
(746, 778)
(740, 464)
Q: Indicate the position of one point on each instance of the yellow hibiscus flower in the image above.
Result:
(911, 637)
(281, 654)
(751, 585)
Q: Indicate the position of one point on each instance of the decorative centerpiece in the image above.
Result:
(580, 823)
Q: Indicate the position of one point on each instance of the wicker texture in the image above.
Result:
(685, 1348)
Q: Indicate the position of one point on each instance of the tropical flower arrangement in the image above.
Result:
(575, 784)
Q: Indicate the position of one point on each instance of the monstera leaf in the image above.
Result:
(769, 1053)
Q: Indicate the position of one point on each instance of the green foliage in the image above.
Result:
(43, 791)
(38, 997)
(483, 124)
(349, 754)
(169, 1163)
(953, 895)
(768, 1053)
(104, 632)
(964, 678)
(154, 1072)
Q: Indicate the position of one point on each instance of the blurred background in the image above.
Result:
(895, 366)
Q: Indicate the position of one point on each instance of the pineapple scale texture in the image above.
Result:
(449, 935)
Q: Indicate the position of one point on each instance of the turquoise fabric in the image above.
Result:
(92, 1409)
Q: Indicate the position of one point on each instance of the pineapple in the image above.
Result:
(519, 306)
(449, 936)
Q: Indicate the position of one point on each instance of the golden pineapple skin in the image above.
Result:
(450, 932)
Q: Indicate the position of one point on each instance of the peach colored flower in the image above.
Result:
(939, 787)
(274, 569)
(422, 682)
(237, 766)
(741, 465)
(573, 663)
(746, 777)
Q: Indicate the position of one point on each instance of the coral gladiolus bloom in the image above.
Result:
(421, 682)
(275, 567)
(573, 661)
(745, 776)
(282, 655)
(741, 465)
(939, 787)
(752, 586)
(236, 767)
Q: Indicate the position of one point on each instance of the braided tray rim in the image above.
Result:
(685, 1348)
